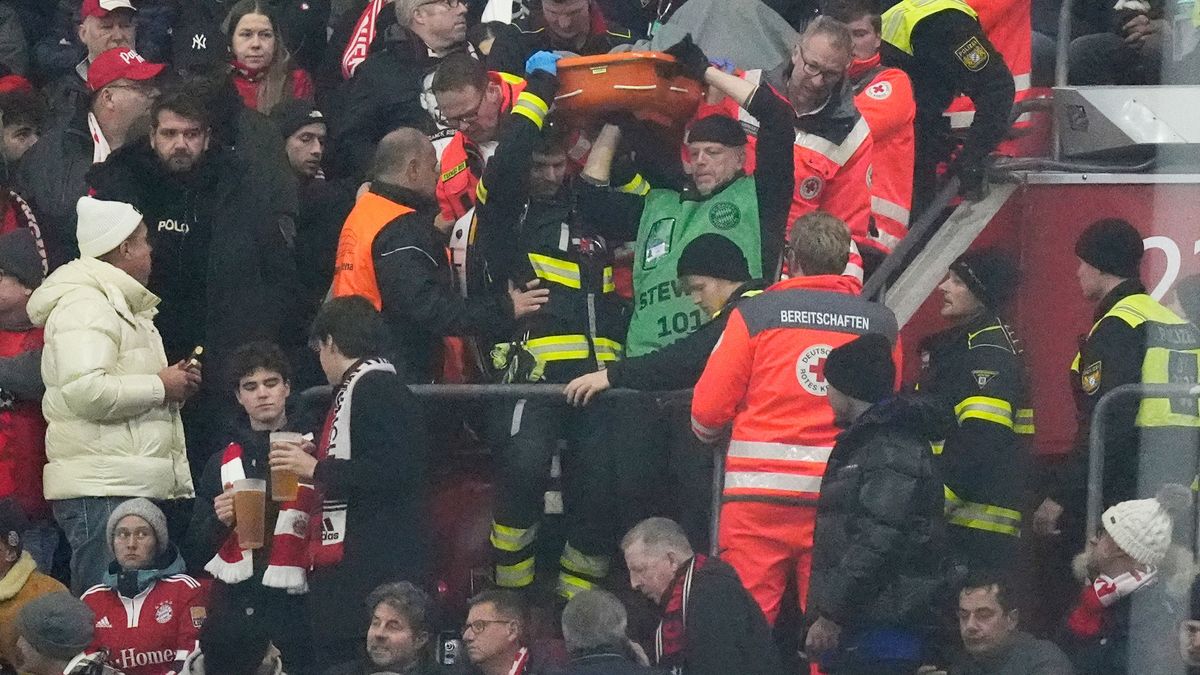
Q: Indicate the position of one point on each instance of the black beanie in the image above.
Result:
(711, 255)
(20, 257)
(13, 523)
(1111, 245)
(290, 116)
(863, 368)
(717, 129)
(990, 274)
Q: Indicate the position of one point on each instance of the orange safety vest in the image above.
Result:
(1007, 25)
(462, 161)
(354, 265)
(767, 376)
(884, 96)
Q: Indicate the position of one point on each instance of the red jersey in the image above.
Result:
(766, 376)
(153, 633)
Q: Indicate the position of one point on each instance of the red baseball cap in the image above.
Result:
(121, 63)
(101, 8)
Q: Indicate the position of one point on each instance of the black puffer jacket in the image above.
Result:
(878, 542)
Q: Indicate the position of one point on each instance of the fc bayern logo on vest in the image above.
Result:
(810, 369)
(724, 216)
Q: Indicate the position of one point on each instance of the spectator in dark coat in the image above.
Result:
(52, 173)
(387, 89)
(593, 625)
(98, 27)
(223, 262)
(710, 624)
(877, 548)
(575, 26)
(400, 639)
(371, 468)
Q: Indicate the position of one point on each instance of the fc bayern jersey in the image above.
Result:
(153, 632)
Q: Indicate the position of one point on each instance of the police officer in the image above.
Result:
(975, 370)
(529, 229)
(1135, 339)
(942, 47)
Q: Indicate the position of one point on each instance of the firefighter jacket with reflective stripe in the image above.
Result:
(976, 373)
(884, 96)
(1172, 356)
(1007, 25)
(832, 155)
(523, 237)
(943, 48)
(462, 161)
(354, 265)
(766, 376)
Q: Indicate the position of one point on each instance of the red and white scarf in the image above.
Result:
(361, 39)
(670, 640)
(327, 534)
(288, 560)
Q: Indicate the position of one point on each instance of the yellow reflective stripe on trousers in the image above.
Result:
(609, 285)
(569, 585)
(1024, 423)
(559, 347)
(595, 566)
(512, 539)
(608, 350)
(985, 408)
(519, 575)
(981, 516)
(782, 452)
(562, 272)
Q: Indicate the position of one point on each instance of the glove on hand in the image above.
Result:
(545, 61)
(690, 58)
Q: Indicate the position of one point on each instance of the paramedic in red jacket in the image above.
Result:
(766, 377)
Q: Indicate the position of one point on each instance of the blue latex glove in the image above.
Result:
(724, 65)
(547, 61)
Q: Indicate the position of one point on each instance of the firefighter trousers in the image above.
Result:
(767, 543)
(601, 488)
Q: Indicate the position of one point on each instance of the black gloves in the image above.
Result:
(972, 178)
(690, 58)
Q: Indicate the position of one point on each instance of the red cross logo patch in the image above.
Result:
(880, 90)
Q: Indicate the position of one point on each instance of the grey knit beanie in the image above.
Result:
(146, 510)
(57, 625)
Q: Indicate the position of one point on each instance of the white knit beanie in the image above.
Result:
(1142, 527)
(102, 226)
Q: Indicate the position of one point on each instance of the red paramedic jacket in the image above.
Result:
(766, 377)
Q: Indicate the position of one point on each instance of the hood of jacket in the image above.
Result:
(122, 291)
(919, 415)
(836, 283)
(833, 120)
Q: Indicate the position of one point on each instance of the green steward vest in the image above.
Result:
(1172, 357)
(662, 310)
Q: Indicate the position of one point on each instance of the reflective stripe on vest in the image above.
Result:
(837, 153)
(986, 408)
(902, 18)
(566, 273)
(762, 481)
(354, 265)
(981, 516)
(572, 347)
(780, 452)
(1172, 357)
(890, 209)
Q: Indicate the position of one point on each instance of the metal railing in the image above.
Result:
(1095, 481)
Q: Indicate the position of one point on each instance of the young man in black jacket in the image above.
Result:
(369, 471)
(878, 544)
(263, 391)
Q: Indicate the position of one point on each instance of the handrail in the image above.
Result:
(1095, 484)
(1062, 53)
(895, 261)
(460, 392)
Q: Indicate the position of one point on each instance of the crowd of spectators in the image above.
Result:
(234, 233)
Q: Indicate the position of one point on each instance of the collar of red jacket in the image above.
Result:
(248, 73)
(836, 283)
(860, 66)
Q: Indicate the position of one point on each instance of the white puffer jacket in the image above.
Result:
(110, 433)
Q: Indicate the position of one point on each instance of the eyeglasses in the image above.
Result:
(137, 535)
(479, 625)
(458, 121)
(814, 69)
(144, 90)
(450, 4)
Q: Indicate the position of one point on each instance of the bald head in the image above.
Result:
(406, 158)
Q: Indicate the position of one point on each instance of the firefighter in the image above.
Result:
(975, 371)
(766, 376)
(1134, 339)
(472, 102)
(942, 47)
(528, 228)
(884, 96)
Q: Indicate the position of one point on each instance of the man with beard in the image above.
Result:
(52, 172)
(223, 262)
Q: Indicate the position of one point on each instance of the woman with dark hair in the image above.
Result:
(262, 66)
